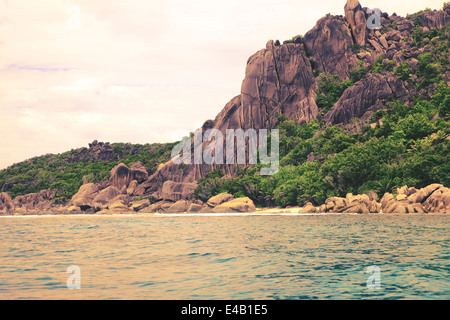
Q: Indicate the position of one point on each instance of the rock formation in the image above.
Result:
(356, 18)
(280, 79)
(372, 92)
(6, 204)
(122, 176)
(434, 198)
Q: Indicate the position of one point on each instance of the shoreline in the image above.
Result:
(261, 212)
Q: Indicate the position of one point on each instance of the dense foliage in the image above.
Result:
(408, 146)
(65, 172)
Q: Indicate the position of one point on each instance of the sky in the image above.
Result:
(138, 71)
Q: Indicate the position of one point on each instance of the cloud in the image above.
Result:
(133, 71)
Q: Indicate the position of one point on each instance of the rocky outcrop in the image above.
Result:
(221, 204)
(105, 196)
(373, 91)
(174, 191)
(308, 208)
(361, 204)
(42, 201)
(219, 199)
(400, 205)
(438, 201)
(356, 18)
(122, 176)
(278, 80)
(84, 198)
(102, 151)
(435, 19)
(330, 45)
(179, 206)
(434, 198)
(140, 205)
(239, 205)
(6, 204)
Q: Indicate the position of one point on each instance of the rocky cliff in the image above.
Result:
(283, 79)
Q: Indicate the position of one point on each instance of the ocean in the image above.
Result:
(221, 257)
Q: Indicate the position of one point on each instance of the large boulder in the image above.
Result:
(308, 208)
(105, 196)
(119, 207)
(122, 176)
(161, 207)
(406, 191)
(330, 45)
(175, 191)
(194, 208)
(357, 208)
(356, 18)
(335, 204)
(219, 199)
(132, 187)
(6, 203)
(235, 206)
(140, 205)
(85, 196)
(438, 201)
(422, 195)
(179, 207)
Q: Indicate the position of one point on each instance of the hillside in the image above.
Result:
(362, 111)
(66, 172)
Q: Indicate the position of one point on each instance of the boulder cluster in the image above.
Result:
(434, 198)
(111, 200)
(32, 203)
(124, 193)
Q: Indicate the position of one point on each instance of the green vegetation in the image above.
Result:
(409, 146)
(413, 17)
(65, 172)
(434, 61)
(403, 71)
(331, 89)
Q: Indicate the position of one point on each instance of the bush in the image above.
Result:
(331, 89)
(359, 72)
(403, 71)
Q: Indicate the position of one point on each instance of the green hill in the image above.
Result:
(65, 172)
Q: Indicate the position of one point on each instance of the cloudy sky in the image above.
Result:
(138, 71)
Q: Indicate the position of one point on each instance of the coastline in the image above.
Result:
(260, 212)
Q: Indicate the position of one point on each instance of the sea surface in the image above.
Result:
(225, 257)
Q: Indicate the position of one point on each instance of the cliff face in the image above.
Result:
(280, 79)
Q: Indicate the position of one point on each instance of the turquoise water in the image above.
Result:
(238, 257)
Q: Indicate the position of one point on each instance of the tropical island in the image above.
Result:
(364, 122)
